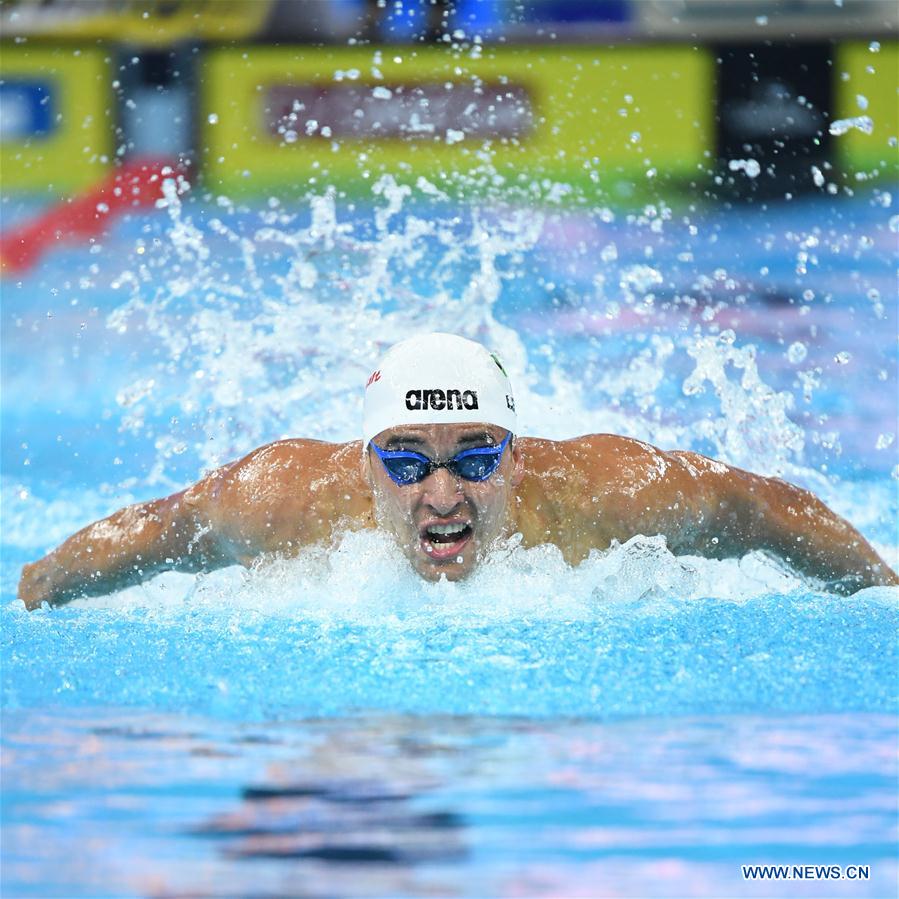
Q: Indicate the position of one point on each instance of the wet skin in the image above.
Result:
(580, 495)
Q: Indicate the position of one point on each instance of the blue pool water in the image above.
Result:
(330, 725)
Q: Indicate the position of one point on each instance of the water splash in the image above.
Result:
(253, 352)
(754, 430)
(247, 356)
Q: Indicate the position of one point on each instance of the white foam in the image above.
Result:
(365, 579)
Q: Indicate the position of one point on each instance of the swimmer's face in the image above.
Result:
(444, 524)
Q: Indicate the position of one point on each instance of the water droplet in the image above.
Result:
(842, 358)
(797, 352)
(212, 118)
(609, 253)
(750, 166)
(863, 123)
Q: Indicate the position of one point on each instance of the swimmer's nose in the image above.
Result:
(442, 491)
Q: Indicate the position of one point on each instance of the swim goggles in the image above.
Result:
(405, 467)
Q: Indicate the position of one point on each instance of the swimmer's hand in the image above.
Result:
(35, 585)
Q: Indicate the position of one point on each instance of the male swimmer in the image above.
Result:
(441, 468)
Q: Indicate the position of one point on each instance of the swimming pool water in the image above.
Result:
(329, 725)
(111, 803)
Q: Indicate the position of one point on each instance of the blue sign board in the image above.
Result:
(26, 109)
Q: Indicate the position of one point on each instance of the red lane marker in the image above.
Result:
(135, 185)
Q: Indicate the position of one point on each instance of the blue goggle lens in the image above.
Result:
(477, 464)
(406, 470)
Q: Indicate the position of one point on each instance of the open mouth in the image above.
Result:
(445, 541)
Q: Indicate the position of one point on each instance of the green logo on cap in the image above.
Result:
(499, 364)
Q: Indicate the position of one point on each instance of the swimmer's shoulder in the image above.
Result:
(583, 493)
(592, 456)
(576, 493)
(622, 479)
(301, 452)
(286, 492)
(275, 465)
(616, 475)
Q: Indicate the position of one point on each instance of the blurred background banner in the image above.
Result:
(607, 100)
(277, 117)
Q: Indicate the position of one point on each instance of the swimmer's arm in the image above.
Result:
(126, 548)
(735, 512)
(265, 502)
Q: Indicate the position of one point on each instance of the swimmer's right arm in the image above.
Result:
(278, 498)
(131, 545)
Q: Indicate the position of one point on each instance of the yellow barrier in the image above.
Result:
(67, 93)
(277, 119)
(143, 23)
(599, 117)
(860, 72)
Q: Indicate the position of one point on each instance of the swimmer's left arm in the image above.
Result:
(738, 512)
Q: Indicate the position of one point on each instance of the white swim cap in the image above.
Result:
(437, 379)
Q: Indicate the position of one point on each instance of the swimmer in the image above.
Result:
(442, 468)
